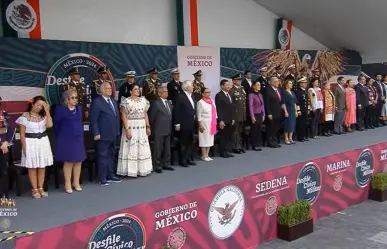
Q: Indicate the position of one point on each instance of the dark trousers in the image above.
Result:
(378, 112)
(370, 116)
(314, 122)
(339, 121)
(272, 128)
(302, 126)
(4, 185)
(237, 135)
(360, 117)
(328, 127)
(162, 150)
(186, 139)
(225, 139)
(256, 131)
(106, 151)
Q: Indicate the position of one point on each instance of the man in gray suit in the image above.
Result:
(161, 123)
(340, 106)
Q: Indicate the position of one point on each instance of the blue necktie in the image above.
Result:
(111, 106)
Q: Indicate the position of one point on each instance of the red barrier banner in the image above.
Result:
(240, 213)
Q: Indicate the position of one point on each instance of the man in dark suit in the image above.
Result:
(224, 109)
(273, 105)
(303, 104)
(160, 116)
(246, 82)
(105, 125)
(263, 79)
(361, 101)
(174, 86)
(381, 99)
(339, 93)
(184, 120)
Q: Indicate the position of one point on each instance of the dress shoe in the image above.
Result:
(103, 183)
(278, 146)
(306, 139)
(114, 179)
(237, 151)
(158, 170)
(257, 149)
(224, 155)
(167, 167)
(229, 154)
(243, 151)
(191, 163)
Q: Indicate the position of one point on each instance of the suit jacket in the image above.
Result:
(224, 107)
(264, 83)
(160, 118)
(380, 89)
(302, 99)
(246, 86)
(361, 95)
(184, 113)
(273, 103)
(174, 89)
(340, 98)
(103, 120)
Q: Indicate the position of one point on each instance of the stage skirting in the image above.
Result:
(240, 213)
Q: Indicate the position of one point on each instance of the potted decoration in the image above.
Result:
(294, 220)
(378, 189)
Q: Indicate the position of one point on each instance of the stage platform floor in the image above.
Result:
(61, 208)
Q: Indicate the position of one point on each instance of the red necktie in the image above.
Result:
(278, 95)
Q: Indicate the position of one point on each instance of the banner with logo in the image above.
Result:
(206, 59)
(21, 18)
(240, 213)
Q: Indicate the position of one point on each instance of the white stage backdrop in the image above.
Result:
(207, 59)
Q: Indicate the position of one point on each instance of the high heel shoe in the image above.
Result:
(35, 194)
(77, 188)
(42, 192)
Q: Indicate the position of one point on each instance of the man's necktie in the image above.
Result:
(228, 96)
(167, 106)
(111, 105)
(278, 94)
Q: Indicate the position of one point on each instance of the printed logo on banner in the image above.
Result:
(119, 231)
(175, 215)
(226, 212)
(21, 16)
(364, 168)
(283, 36)
(176, 238)
(58, 76)
(383, 155)
(338, 167)
(309, 183)
(271, 205)
(338, 183)
(271, 186)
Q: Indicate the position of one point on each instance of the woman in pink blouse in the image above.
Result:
(350, 100)
(257, 114)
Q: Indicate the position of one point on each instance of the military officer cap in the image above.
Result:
(102, 70)
(263, 69)
(74, 70)
(175, 71)
(302, 79)
(153, 71)
(236, 77)
(130, 73)
(198, 73)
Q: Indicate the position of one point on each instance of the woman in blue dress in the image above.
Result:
(290, 110)
(70, 147)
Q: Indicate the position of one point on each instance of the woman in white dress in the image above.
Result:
(206, 114)
(134, 158)
(36, 154)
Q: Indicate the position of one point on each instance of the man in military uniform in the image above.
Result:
(303, 73)
(197, 85)
(125, 88)
(174, 86)
(151, 84)
(302, 110)
(6, 137)
(75, 84)
(102, 78)
(263, 79)
(239, 113)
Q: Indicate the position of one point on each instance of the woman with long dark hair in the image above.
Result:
(257, 115)
(36, 152)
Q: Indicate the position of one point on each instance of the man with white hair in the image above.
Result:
(184, 120)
